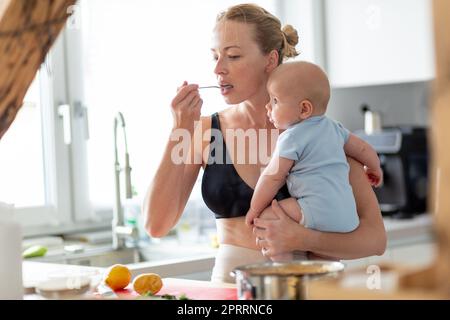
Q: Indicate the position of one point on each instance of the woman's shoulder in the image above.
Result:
(225, 117)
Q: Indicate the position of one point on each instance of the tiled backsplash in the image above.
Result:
(399, 104)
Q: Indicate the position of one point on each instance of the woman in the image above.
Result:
(248, 45)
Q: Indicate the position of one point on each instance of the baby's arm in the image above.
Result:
(272, 179)
(366, 154)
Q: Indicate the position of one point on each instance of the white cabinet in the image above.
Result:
(306, 16)
(371, 42)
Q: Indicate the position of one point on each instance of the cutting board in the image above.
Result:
(195, 290)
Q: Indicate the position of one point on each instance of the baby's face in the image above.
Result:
(283, 108)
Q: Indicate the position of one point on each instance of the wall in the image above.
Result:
(404, 103)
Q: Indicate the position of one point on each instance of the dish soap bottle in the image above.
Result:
(11, 285)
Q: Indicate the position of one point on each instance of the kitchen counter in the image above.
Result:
(34, 272)
(418, 228)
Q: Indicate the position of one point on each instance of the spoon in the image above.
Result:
(217, 87)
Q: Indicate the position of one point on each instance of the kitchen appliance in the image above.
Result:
(372, 120)
(281, 280)
(403, 153)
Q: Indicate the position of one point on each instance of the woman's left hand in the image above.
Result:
(279, 235)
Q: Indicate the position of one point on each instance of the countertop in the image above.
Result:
(34, 272)
(416, 229)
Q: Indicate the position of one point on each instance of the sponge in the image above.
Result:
(34, 251)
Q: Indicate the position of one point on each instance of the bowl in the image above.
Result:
(64, 287)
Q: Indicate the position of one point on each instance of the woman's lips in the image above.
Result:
(226, 89)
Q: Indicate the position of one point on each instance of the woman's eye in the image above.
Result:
(234, 57)
(215, 58)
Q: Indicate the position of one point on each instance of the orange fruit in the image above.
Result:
(117, 277)
(147, 283)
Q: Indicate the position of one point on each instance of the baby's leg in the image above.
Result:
(290, 206)
(293, 210)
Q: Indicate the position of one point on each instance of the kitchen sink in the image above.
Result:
(98, 257)
(107, 256)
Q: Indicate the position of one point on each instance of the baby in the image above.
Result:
(310, 155)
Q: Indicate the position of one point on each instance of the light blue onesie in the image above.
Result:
(319, 178)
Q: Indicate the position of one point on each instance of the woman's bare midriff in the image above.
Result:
(234, 231)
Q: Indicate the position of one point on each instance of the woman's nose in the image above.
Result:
(220, 67)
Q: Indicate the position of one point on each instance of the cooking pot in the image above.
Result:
(281, 280)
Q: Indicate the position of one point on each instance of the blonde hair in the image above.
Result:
(268, 32)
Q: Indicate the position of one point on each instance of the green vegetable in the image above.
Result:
(183, 297)
(148, 294)
(165, 296)
(34, 251)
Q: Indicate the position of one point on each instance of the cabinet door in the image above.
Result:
(379, 41)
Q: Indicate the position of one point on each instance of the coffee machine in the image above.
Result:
(403, 153)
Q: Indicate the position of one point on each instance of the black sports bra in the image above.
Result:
(223, 190)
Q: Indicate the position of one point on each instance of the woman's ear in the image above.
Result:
(272, 62)
(306, 109)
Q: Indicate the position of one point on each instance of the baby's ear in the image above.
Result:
(306, 109)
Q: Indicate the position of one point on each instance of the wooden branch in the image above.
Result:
(28, 29)
(3, 5)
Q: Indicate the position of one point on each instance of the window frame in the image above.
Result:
(57, 209)
(58, 215)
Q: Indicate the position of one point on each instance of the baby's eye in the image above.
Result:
(275, 101)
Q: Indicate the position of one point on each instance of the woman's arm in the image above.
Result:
(284, 234)
(172, 184)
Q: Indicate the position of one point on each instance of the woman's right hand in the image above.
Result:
(186, 106)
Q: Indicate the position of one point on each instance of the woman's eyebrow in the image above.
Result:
(230, 47)
(226, 48)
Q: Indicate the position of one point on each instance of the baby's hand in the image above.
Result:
(375, 176)
(250, 216)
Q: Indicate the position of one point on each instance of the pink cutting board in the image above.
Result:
(195, 290)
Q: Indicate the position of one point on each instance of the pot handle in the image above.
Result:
(247, 290)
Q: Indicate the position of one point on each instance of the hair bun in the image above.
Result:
(291, 34)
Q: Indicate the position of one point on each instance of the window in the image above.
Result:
(21, 150)
(34, 163)
(134, 55)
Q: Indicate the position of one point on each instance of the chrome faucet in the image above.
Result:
(119, 230)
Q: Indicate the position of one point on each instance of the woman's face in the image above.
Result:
(241, 67)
